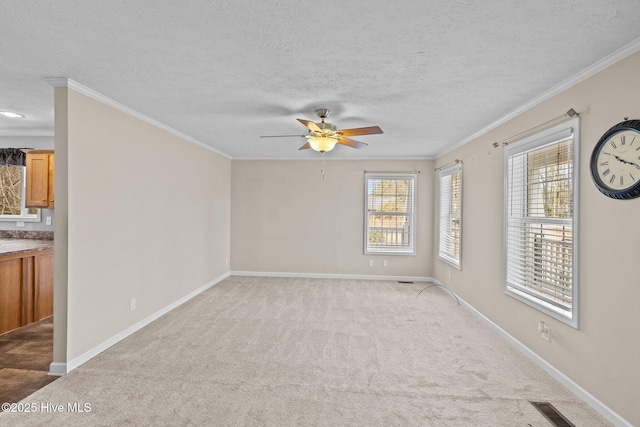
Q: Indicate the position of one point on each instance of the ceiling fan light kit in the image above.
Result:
(322, 144)
(323, 136)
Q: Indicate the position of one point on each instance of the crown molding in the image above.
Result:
(591, 70)
(71, 84)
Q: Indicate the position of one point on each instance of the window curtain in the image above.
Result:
(12, 157)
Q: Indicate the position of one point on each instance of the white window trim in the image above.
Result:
(540, 139)
(455, 262)
(390, 251)
(24, 217)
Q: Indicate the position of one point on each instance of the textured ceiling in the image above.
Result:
(429, 73)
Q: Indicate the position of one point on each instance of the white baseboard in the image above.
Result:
(58, 369)
(332, 276)
(583, 394)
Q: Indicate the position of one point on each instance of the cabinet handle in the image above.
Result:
(44, 200)
(51, 200)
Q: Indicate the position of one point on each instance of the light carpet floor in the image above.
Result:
(309, 352)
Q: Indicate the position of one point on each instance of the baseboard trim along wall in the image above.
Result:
(59, 369)
(583, 394)
(332, 276)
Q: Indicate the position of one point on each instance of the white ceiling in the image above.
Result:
(431, 74)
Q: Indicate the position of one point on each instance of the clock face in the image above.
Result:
(615, 161)
(618, 162)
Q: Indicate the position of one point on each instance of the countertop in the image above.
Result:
(17, 246)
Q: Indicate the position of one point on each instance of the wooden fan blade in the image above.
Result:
(280, 136)
(305, 146)
(310, 125)
(351, 143)
(371, 130)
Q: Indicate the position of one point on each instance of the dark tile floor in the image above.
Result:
(25, 355)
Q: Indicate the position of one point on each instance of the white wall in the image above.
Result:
(602, 356)
(287, 219)
(147, 214)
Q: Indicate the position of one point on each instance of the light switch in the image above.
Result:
(48, 220)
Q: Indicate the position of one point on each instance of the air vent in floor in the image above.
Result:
(552, 414)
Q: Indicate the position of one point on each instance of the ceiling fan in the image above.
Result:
(323, 136)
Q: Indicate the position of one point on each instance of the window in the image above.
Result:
(12, 195)
(450, 215)
(389, 213)
(540, 219)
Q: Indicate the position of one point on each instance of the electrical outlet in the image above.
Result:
(546, 333)
(386, 263)
(370, 263)
(48, 220)
(545, 330)
(226, 261)
(133, 304)
(20, 224)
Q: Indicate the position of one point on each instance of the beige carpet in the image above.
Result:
(309, 352)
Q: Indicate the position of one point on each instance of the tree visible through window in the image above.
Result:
(12, 192)
(389, 219)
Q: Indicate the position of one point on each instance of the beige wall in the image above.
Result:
(148, 218)
(602, 356)
(285, 218)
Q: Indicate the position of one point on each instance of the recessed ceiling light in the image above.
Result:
(11, 115)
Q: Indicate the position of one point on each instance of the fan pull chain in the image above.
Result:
(322, 167)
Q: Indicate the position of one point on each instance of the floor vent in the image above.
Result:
(552, 414)
(402, 281)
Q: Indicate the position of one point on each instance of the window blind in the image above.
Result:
(390, 213)
(450, 217)
(539, 223)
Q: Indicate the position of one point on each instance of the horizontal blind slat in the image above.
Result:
(539, 222)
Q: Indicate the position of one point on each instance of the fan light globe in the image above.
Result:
(322, 144)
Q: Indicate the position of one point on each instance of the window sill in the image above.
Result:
(390, 252)
(565, 316)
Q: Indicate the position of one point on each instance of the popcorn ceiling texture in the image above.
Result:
(225, 72)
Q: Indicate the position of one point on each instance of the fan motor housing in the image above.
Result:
(326, 126)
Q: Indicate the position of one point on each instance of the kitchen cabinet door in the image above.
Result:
(40, 179)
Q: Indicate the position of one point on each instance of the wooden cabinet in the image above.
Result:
(26, 288)
(40, 179)
(11, 292)
(43, 286)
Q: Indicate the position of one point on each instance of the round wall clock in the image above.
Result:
(615, 161)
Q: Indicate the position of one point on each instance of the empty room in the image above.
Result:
(319, 213)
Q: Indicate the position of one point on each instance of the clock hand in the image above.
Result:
(625, 162)
(622, 160)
